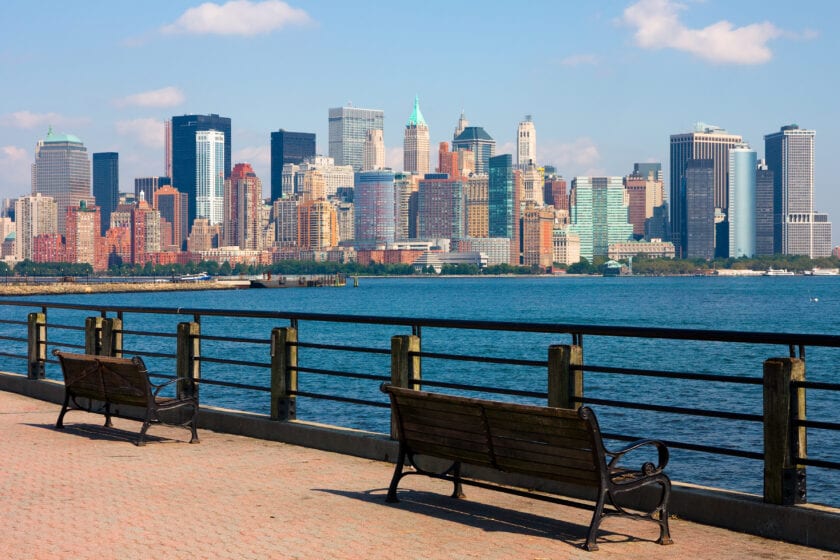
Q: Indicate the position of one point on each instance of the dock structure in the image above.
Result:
(88, 492)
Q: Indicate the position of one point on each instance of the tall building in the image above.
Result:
(790, 156)
(555, 192)
(537, 236)
(503, 202)
(532, 184)
(763, 210)
(375, 209)
(317, 226)
(172, 205)
(598, 214)
(526, 143)
(476, 140)
(62, 171)
(243, 199)
(210, 175)
(705, 142)
(462, 124)
(288, 147)
(34, 215)
(167, 148)
(440, 207)
(644, 193)
(649, 169)
(82, 237)
(699, 204)
(148, 186)
(106, 185)
(416, 142)
(742, 206)
(477, 206)
(374, 151)
(145, 232)
(184, 154)
(348, 128)
(406, 186)
(286, 222)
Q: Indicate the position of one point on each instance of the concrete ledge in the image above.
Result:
(809, 525)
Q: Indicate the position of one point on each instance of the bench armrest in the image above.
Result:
(647, 468)
(157, 388)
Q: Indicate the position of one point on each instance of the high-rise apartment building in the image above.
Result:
(243, 199)
(416, 143)
(644, 193)
(440, 207)
(699, 205)
(375, 208)
(763, 210)
(34, 215)
(335, 177)
(503, 199)
(526, 143)
(172, 205)
(82, 237)
(599, 214)
(184, 154)
(537, 236)
(406, 186)
(790, 156)
(555, 192)
(705, 142)
(317, 226)
(348, 128)
(476, 140)
(742, 201)
(374, 151)
(145, 232)
(286, 222)
(62, 171)
(476, 202)
(210, 175)
(288, 147)
(106, 185)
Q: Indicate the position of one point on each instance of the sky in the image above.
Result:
(606, 82)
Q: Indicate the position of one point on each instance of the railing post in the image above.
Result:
(112, 337)
(37, 341)
(93, 335)
(784, 441)
(187, 364)
(284, 361)
(405, 363)
(565, 376)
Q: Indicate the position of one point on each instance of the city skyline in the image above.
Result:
(600, 81)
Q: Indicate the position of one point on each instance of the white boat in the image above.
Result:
(777, 272)
(822, 272)
(200, 277)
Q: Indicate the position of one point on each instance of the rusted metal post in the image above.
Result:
(37, 342)
(784, 441)
(93, 335)
(112, 337)
(284, 361)
(188, 353)
(565, 376)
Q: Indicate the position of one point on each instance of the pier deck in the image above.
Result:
(88, 492)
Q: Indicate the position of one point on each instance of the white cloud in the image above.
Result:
(580, 60)
(164, 97)
(255, 155)
(658, 26)
(15, 163)
(570, 158)
(238, 17)
(147, 132)
(29, 120)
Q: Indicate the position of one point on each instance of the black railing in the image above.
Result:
(285, 359)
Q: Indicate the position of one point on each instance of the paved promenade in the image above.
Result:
(87, 492)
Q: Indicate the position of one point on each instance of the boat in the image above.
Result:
(822, 272)
(200, 277)
(777, 272)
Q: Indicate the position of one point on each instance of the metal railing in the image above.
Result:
(758, 416)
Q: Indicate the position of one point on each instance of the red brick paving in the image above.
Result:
(88, 492)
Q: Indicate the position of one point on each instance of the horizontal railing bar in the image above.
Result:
(817, 425)
(128, 351)
(244, 363)
(62, 344)
(336, 373)
(589, 368)
(696, 447)
(480, 359)
(339, 399)
(822, 386)
(233, 339)
(14, 338)
(675, 410)
(233, 384)
(477, 389)
(146, 333)
(64, 327)
(786, 339)
(16, 356)
(11, 322)
(360, 349)
(818, 463)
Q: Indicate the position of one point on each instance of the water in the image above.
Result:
(777, 304)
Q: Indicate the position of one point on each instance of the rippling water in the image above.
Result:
(775, 304)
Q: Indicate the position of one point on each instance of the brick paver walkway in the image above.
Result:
(87, 492)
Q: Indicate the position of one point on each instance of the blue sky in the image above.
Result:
(606, 82)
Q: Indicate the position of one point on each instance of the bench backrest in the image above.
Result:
(553, 443)
(115, 380)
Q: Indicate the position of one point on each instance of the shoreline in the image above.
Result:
(67, 288)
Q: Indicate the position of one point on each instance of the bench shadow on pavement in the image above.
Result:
(487, 517)
(102, 433)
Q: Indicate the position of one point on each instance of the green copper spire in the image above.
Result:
(416, 117)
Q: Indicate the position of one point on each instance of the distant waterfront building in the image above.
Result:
(532, 184)
(763, 210)
(184, 154)
(476, 140)
(654, 249)
(106, 185)
(82, 237)
(644, 193)
(598, 214)
(699, 204)
(555, 192)
(172, 205)
(35, 215)
(742, 195)
(148, 186)
(566, 246)
(348, 128)
(463, 123)
(477, 204)
(526, 143)
(145, 232)
(496, 249)
(286, 222)
(503, 203)
(537, 236)
(440, 207)
(374, 151)
(62, 171)
(705, 142)
(374, 202)
(317, 226)
(416, 143)
(406, 186)
(335, 177)
(658, 226)
(242, 203)
(210, 175)
(288, 147)
(167, 148)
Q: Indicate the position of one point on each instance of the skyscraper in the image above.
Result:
(644, 193)
(288, 147)
(476, 140)
(699, 204)
(34, 215)
(705, 142)
(243, 199)
(374, 151)
(416, 142)
(184, 129)
(172, 205)
(763, 210)
(82, 237)
(148, 186)
(62, 171)
(210, 175)
(502, 216)
(106, 185)
(790, 156)
(348, 128)
(599, 214)
(440, 207)
(742, 194)
(375, 208)
(526, 143)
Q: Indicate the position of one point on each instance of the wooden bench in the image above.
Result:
(106, 381)
(551, 443)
